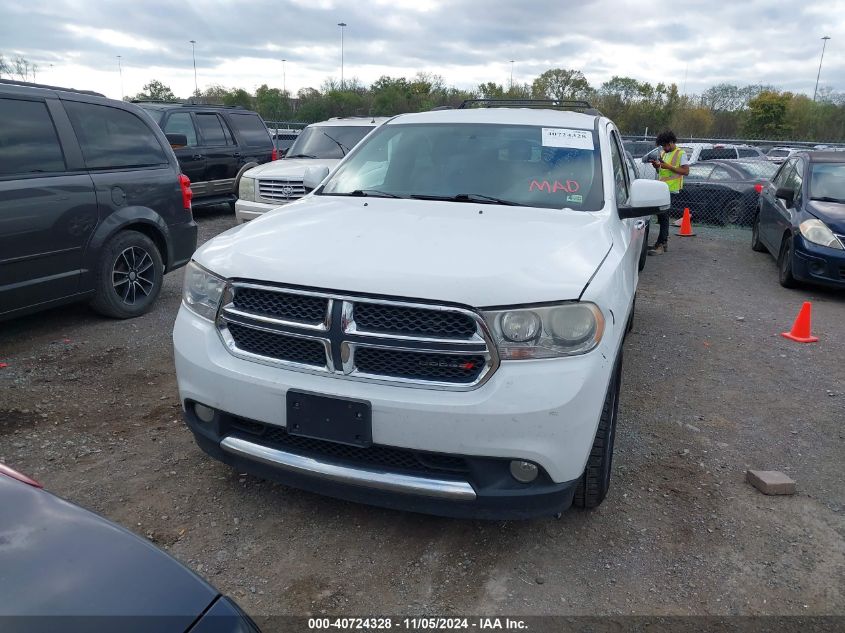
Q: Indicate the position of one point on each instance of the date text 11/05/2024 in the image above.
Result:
(417, 624)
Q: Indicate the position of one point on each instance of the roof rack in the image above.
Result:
(188, 105)
(29, 84)
(562, 104)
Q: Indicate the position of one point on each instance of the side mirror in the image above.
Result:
(787, 195)
(177, 140)
(313, 177)
(647, 198)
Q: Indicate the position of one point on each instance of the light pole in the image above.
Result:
(512, 74)
(824, 43)
(120, 72)
(194, 56)
(284, 79)
(341, 25)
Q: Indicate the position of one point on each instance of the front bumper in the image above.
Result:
(246, 210)
(545, 412)
(818, 264)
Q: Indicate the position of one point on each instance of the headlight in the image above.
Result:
(202, 291)
(246, 189)
(548, 332)
(817, 232)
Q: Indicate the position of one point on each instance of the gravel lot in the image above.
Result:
(89, 407)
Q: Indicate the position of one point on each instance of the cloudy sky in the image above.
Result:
(242, 42)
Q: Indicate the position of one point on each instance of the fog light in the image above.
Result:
(204, 413)
(524, 472)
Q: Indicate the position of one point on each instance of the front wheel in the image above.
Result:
(593, 485)
(787, 280)
(129, 276)
(732, 212)
(756, 242)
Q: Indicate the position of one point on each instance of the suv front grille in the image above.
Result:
(358, 338)
(281, 189)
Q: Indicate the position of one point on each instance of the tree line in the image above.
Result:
(637, 107)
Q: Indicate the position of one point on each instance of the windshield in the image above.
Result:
(757, 168)
(155, 113)
(827, 182)
(509, 164)
(327, 141)
(778, 153)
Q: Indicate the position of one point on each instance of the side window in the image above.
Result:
(720, 173)
(619, 171)
(230, 140)
(211, 129)
(780, 178)
(796, 177)
(699, 171)
(112, 138)
(251, 129)
(181, 123)
(745, 152)
(28, 140)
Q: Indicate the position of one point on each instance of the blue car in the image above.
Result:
(801, 219)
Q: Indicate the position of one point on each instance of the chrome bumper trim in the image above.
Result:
(390, 482)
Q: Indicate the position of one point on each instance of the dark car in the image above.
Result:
(801, 219)
(724, 191)
(63, 568)
(214, 144)
(92, 203)
(638, 149)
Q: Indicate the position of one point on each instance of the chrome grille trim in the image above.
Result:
(280, 189)
(346, 337)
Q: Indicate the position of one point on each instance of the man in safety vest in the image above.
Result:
(671, 169)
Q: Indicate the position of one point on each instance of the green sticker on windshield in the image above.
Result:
(575, 198)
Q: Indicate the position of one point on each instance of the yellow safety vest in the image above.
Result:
(675, 181)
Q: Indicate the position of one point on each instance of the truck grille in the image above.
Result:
(281, 189)
(357, 338)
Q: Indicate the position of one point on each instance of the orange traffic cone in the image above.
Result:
(801, 328)
(686, 224)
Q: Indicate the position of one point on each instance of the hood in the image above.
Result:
(287, 167)
(831, 213)
(474, 254)
(59, 559)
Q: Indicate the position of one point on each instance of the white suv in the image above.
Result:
(324, 144)
(437, 327)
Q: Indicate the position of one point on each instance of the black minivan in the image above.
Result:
(93, 205)
(214, 144)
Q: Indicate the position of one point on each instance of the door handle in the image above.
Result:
(639, 224)
(237, 154)
(197, 157)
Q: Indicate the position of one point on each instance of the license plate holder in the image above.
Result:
(341, 420)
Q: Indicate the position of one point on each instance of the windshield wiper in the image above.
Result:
(828, 199)
(367, 193)
(468, 197)
(301, 156)
(342, 147)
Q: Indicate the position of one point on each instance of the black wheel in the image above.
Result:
(785, 263)
(756, 243)
(128, 276)
(732, 212)
(594, 483)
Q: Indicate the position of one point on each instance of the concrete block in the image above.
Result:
(770, 482)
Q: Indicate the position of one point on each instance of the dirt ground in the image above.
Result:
(89, 407)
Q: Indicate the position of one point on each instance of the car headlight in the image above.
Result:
(246, 189)
(202, 291)
(817, 232)
(565, 329)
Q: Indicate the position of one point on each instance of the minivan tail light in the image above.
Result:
(5, 470)
(187, 194)
(275, 154)
(758, 188)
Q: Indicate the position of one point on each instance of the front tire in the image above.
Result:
(129, 276)
(756, 243)
(732, 212)
(787, 280)
(593, 485)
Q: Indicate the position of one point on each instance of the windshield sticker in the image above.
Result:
(565, 137)
(571, 186)
(575, 198)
